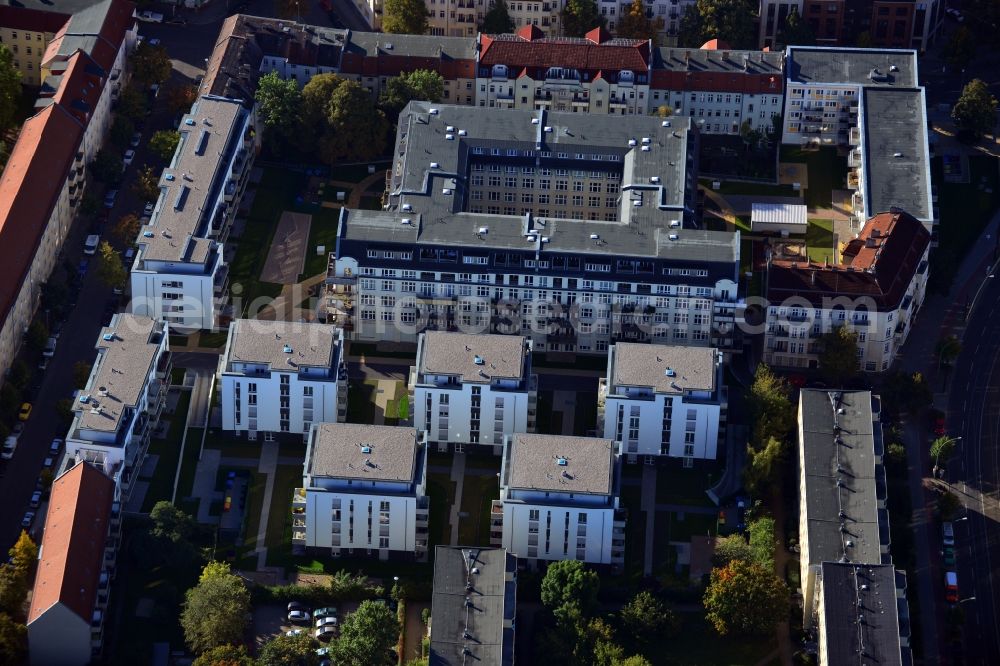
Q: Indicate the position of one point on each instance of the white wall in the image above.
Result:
(324, 402)
(649, 442)
(59, 637)
(319, 520)
(597, 542)
(197, 296)
(459, 411)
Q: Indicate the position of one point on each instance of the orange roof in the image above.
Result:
(715, 45)
(80, 88)
(76, 528)
(29, 188)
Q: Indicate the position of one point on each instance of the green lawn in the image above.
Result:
(819, 241)
(214, 340)
(251, 519)
(762, 189)
(161, 485)
(697, 644)
(351, 173)
(361, 401)
(189, 464)
(677, 485)
(477, 495)
(323, 231)
(827, 171)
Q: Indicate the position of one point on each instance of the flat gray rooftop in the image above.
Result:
(377, 44)
(283, 345)
(838, 440)
(897, 170)
(534, 464)
(367, 452)
(444, 353)
(124, 363)
(838, 65)
(643, 365)
(860, 615)
(728, 61)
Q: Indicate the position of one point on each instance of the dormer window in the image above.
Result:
(626, 77)
(499, 71)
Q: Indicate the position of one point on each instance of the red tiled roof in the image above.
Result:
(79, 89)
(516, 52)
(33, 20)
(76, 527)
(29, 189)
(117, 21)
(716, 45)
(881, 269)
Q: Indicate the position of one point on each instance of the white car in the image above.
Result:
(294, 632)
(9, 446)
(136, 139)
(36, 499)
(150, 17)
(326, 622)
(55, 446)
(90, 245)
(297, 615)
(129, 156)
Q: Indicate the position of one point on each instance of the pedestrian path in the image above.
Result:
(204, 484)
(647, 504)
(267, 465)
(458, 477)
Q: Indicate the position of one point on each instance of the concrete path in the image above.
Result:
(458, 477)
(354, 201)
(197, 417)
(684, 508)
(385, 392)
(286, 257)
(204, 484)
(267, 465)
(286, 306)
(565, 402)
(648, 505)
(415, 630)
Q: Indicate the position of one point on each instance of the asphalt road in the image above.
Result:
(974, 471)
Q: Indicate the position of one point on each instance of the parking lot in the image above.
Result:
(271, 620)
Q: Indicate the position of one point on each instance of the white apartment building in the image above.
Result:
(663, 400)
(282, 377)
(179, 274)
(120, 406)
(363, 492)
(472, 389)
(877, 290)
(559, 499)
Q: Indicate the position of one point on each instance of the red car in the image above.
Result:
(939, 426)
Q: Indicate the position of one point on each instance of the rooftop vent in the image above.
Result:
(406, 220)
(672, 237)
(435, 165)
(148, 234)
(595, 237)
(561, 461)
(654, 179)
(534, 121)
(670, 372)
(548, 129)
(893, 68)
(449, 137)
(645, 140)
(645, 149)
(475, 570)
(84, 398)
(446, 190)
(665, 123)
(169, 177)
(287, 349)
(532, 238)
(189, 121)
(484, 230)
(545, 239)
(433, 111)
(462, 133)
(387, 46)
(108, 337)
(674, 224)
(632, 142)
(478, 360)
(449, 128)
(637, 203)
(407, 208)
(366, 449)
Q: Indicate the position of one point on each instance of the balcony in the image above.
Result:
(853, 180)
(854, 158)
(854, 136)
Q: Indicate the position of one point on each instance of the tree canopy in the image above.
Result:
(420, 84)
(648, 619)
(976, 109)
(570, 583)
(838, 355)
(367, 636)
(279, 106)
(10, 88)
(150, 64)
(763, 466)
(147, 184)
(225, 655)
(352, 127)
(126, 230)
(731, 21)
(689, 29)
(796, 32)
(636, 25)
(771, 407)
(762, 541)
(961, 47)
(13, 640)
(580, 17)
(15, 576)
(745, 598)
(942, 448)
(729, 548)
(284, 650)
(216, 610)
(405, 17)
(497, 20)
(164, 143)
(106, 166)
(121, 132)
(132, 103)
(109, 266)
(179, 97)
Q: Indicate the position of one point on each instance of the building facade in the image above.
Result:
(116, 412)
(27, 33)
(559, 500)
(472, 389)
(282, 377)
(179, 273)
(363, 492)
(663, 400)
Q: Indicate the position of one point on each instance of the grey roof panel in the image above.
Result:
(367, 452)
(445, 353)
(534, 462)
(664, 368)
(817, 64)
(860, 615)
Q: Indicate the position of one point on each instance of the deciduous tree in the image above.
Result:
(570, 583)
(164, 143)
(132, 103)
(367, 636)
(731, 21)
(179, 97)
(580, 17)
(216, 610)
(10, 88)
(146, 185)
(126, 229)
(405, 17)
(150, 64)
(763, 466)
(770, 406)
(497, 20)
(636, 25)
(355, 129)
(421, 84)
(745, 598)
(762, 541)
(279, 106)
(690, 31)
(961, 47)
(283, 650)
(796, 32)
(81, 372)
(121, 132)
(648, 619)
(106, 166)
(729, 548)
(109, 266)
(13, 640)
(838, 355)
(976, 109)
(15, 576)
(225, 655)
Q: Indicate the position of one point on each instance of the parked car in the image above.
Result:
(298, 616)
(297, 605)
(327, 621)
(50, 347)
(55, 446)
(949, 556)
(127, 160)
(9, 446)
(109, 198)
(948, 534)
(951, 587)
(324, 612)
(148, 208)
(90, 245)
(150, 17)
(43, 364)
(294, 632)
(25, 412)
(36, 499)
(326, 632)
(136, 139)
(128, 256)
(29, 517)
(48, 462)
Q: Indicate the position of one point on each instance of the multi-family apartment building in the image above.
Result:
(720, 89)
(862, 615)
(363, 492)
(593, 74)
(483, 631)
(663, 400)
(472, 389)
(179, 273)
(282, 377)
(43, 181)
(116, 412)
(877, 290)
(866, 101)
(574, 230)
(904, 24)
(27, 33)
(76, 562)
(842, 491)
(559, 499)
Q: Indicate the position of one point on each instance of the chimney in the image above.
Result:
(687, 58)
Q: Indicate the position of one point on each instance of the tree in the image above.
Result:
(942, 448)
(948, 349)
(770, 406)
(106, 167)
(46, 477)
(366, 636)
(420, 84)
(580, 17)
(126, 229)
(38, 335)
(180, 97)
(745, 598)
(171, 523)
(164, 143)
(731, 21)
(961, 47)
(283, 650)
(15, 576)
(763, 466)
(146, 185)
(408, 17)
(729, 548)
(10, 88)
(796, 32)
(355, 129)
(636, 25)
(13, 640)
(570, 583)
(150, 64)
(225, 655)
(279, 103)
(838, 355)
(121, 132)
(976, 109)
(109, 265)
(762, 541)
(648, 619)
(19, 374)
(132, 103)
(216, 610)
(690, 32)
(947, 505)
(497, 20)
(81, 373)
(863, 40)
